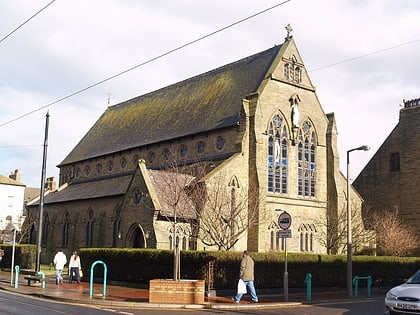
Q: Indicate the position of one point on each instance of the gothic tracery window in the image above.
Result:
(277, 155)
(306, 160)
(292, 70)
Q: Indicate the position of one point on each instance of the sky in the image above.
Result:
(362, 56)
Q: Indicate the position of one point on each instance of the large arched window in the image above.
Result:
(277, 155)
(306, 160)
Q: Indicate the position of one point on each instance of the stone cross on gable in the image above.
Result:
(289, 29)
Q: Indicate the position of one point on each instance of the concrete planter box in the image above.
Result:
(168, 291)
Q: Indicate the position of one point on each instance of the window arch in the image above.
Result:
(306, 160)
(292, 70)
(276, 243)
(89, 228)
(66, 227)
(116, 226)
(277, 155)
(182, 237)
(45, 229)
(306, 237)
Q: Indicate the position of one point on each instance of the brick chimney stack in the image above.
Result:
(50, 185)
(15, 175)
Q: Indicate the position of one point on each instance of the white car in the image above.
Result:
(405, 298)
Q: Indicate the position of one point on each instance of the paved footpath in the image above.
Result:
(139, 298)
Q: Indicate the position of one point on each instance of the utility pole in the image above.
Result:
(41, 195)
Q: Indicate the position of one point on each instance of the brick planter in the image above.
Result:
(168, 291)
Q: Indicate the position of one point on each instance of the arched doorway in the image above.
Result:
(136, 237)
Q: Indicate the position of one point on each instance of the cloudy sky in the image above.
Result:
(362, 55)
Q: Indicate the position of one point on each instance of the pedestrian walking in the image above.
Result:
(60, 260)
(246, 273)
(75, 267)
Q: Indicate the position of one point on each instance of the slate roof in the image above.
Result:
(10, 181)
(164, 189)
(202, 103)
(103, 187)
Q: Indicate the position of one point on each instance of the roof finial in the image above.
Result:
(289, 29)
(109, 98)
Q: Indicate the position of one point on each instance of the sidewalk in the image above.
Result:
(116, 295)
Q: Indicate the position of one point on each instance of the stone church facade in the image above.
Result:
(389, 182)
(256, 122)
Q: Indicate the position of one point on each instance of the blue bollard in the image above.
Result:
(17, 269)
(308, 281)
(356, 286)
(369, 284)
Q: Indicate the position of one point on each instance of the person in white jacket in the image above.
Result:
(74, 267)
(60, 260)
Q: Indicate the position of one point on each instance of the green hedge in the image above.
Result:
(25, 256)
(138, 266)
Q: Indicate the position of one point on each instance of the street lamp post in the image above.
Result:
(349, 234)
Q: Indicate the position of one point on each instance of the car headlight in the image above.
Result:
(391, 296)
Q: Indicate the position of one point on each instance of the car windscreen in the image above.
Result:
(415, 279)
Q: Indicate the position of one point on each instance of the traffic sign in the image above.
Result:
(285, 234)
(285, 220)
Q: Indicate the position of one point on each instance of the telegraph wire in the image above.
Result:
(1, 40)
(365, 55)
(143, 63)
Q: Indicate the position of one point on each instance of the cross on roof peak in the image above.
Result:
(289, 29)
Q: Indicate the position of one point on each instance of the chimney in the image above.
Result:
(50, 185)
(15, 175)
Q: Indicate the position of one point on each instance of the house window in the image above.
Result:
(306, 160)
(394, 162)
(277, 155)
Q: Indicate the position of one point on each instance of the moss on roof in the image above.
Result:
(10, 181)
(203, 103)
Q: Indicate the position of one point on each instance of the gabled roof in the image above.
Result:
(203, 103)
(164, 184)
(102, 187)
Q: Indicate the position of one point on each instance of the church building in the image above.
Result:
(235, 147)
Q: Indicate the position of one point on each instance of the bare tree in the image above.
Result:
(394, 238)
(334, 236)
(224, 210)
(172, 188)
(219, 207)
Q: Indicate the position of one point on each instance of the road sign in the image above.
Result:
(285, 220)
(285, 234)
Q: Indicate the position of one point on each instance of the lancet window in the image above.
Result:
(277, 155)
(306, 146)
